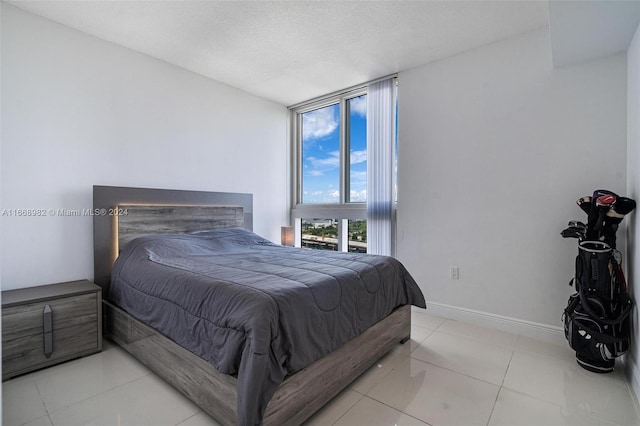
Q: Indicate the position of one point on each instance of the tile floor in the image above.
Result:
(450, 373)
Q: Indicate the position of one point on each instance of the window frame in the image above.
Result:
(343, 210)
(297, 114)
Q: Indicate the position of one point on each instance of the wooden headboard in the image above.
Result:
(122, 214)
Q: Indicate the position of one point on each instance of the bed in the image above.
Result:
(278, 367)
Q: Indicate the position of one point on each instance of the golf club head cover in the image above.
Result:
(573, 232)
(585, 204)
(622, 207)
(577, 224)
(606, 200)
(604, 205)
(598, 211)
(614, 216)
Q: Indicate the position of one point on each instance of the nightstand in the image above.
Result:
(49, 324)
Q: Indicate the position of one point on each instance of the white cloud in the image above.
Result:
(316, 173)
(358, 156)
(319, 123)
(335, 194)
(327, 163)
(333, 160)
(358, 106)
(358, 196)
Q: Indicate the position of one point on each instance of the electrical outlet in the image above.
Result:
(454, 272)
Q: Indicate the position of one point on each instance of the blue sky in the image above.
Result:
(321, 153)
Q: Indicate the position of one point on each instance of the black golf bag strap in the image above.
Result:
(624, 299)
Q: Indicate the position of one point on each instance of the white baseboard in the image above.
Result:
(549, 333)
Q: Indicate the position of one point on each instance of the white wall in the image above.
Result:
(0, 199)
(633, 188)
(78, 111)
(495, 147)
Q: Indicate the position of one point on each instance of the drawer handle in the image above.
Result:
(47, 316)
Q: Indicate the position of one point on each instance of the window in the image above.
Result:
(331, 166)
(357, 149)
(321, 155)
(334, 153)
(331, 172)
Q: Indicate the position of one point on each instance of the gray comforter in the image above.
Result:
(253, 308)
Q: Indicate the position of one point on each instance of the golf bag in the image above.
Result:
(596, 319)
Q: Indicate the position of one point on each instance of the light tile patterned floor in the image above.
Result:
(450, 373)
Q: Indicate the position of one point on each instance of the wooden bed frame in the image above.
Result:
(301, 394)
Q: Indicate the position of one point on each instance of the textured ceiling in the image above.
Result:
(292, 51)
(581, 31)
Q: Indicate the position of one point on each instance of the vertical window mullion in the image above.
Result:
(346, 169)
(298, 154)
(343, 243)
(343, 235)
(343, 152)
(297, 232)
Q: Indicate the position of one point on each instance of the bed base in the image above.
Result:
(297, 398)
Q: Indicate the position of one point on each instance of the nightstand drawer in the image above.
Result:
(27, 353)
(27, 320)
(46, 325)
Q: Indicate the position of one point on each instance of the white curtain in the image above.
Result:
(380, 165)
